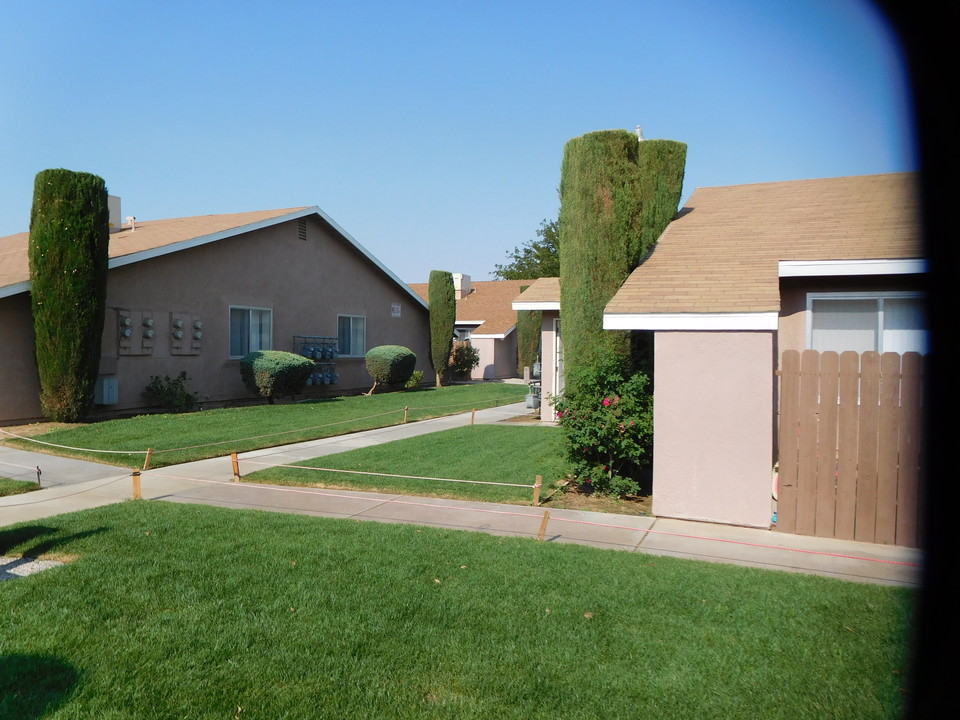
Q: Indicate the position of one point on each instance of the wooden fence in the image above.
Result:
(851, 446)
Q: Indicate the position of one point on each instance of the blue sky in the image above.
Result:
(432, 131)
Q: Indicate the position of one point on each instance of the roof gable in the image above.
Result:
(154, 238)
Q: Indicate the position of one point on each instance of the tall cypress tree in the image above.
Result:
(617, 195)
(662, 164)
(600, 231)
(68, 252)
(528, 336)
(443, 317)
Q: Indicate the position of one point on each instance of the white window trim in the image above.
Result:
(832, 268)
(865, 295)
(230, 310)
(353, 317)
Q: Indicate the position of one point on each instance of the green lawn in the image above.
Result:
(481, 453)
(16, 487)
(178, 438)
(186, 611)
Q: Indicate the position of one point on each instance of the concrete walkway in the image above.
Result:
(72, 485)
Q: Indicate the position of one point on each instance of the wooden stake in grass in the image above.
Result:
(236, 467)
(472, 414)
(536, 489)
(136, 484)
(543, 525)
(406, 410)
(146, 460)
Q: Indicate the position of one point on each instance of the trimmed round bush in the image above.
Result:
(270, 373)
(390, 364)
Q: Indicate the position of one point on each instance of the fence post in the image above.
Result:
(543, 525)
(406, 409)
(146, 461)
(472, 413)
(536, 489)
(236, 467)
(136, 484)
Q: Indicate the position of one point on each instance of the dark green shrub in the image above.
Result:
(600, 232)
(390, 365)
(528, 337)
(617, 196)
(68, 253)
(662, 165)
(443, 317)
(607, 421)
(463, 360)
(271, 373)
(172, 393)
(415, 381)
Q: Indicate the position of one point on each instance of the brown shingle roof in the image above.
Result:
(721, 254)
(148, 235)
(542, 291)
(487, 304)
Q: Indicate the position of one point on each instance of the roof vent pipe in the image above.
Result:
(639, 134)
(132, 222)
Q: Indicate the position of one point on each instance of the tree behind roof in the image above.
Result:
(537, 258)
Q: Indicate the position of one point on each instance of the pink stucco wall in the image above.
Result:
(498, 357)
(713, 426)
(307, 283)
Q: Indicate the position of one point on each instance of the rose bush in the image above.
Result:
(608, 427)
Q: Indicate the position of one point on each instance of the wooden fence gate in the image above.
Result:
(850, 442)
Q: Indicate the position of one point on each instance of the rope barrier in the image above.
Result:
(240, 440)
(378, 474)
(78, 449)
(489, 511)
(60, 497)
(537, 516)
(25, 467)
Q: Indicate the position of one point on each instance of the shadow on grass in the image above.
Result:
(24, 537)
(32, 686)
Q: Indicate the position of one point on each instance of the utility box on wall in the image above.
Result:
(106, 391)
(135, 332)
(186, 333)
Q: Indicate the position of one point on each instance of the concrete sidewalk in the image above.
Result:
(210, 482)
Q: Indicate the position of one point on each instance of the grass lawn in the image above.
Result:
(178, 438)
(16, 487)
(185, 611)
(482, 453)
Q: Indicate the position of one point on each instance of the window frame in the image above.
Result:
(878, 295)
(250, 334)
(352, 352)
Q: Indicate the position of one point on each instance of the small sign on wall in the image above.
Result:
(395, 309)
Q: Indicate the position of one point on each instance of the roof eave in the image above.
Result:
(692, 321)
(136, 257)
(537, 305)
(833, 268)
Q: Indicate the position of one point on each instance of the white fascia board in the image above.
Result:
(15, 289)
(824, 268)
(691, 321)
(492, 336)
(469, 322)
(547, 305)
